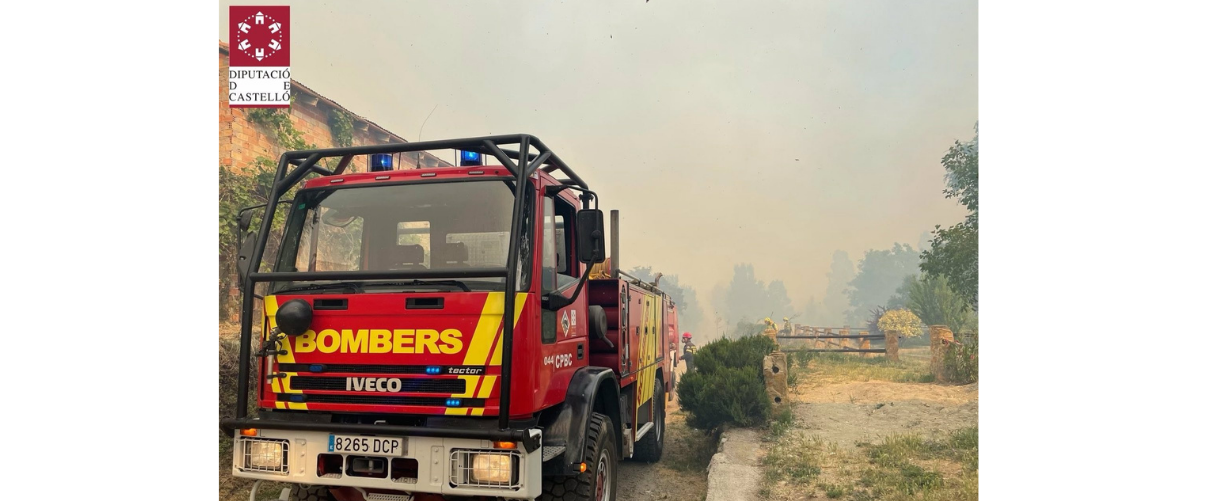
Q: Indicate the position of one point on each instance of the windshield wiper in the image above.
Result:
(408, 283)
(355, 287)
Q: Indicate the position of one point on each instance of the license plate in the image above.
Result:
(376, 446)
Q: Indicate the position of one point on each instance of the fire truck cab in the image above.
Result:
(434, 334)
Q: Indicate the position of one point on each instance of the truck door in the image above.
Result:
(563, 333)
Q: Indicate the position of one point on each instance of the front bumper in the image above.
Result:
(441, 465)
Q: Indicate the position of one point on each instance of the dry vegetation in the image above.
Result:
(866, 429)
(229, 487)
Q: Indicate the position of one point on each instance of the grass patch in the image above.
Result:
(692, 449)
(900, 467)
(907, 466)
(794, 460)
(842, 367)
(832, 491)
(781, 422)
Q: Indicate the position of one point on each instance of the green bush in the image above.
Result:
(736, 396)
(727, 385)
(743, 352)
(962, 359)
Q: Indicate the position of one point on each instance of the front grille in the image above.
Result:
(408, 385)
(380, 368)
(377, 400)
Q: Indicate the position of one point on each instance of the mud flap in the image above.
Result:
(590, 388)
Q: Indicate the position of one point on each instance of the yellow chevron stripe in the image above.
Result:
(470, 386)
(278, 386)
(650, 332)
(486, 331)
(486, 337)
(487, 386)
(520, 300)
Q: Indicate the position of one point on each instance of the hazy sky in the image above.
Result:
(766, 132)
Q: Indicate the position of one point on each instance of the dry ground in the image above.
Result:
(866, 429)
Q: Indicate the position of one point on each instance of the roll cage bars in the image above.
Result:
(521, 163)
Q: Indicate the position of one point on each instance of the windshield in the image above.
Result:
(417, 226)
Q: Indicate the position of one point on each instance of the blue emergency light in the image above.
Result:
(380, 162)
(470, 158)
(452, 402)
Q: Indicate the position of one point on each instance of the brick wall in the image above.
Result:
(241, 141)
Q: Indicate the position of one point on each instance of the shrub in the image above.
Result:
(962, 358)
(727, 385)
(743, 352)
(728, 395)
(902, 321)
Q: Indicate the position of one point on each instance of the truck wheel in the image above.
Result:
(299, 492)
(648, 449)
(598, 482)
(673, 378)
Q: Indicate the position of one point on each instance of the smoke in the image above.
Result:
(746, 299)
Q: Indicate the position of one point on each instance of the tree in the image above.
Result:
(777, 300)
(955, 250)
(836, 303)
(689, 316)
(879, 275)
(932, 299)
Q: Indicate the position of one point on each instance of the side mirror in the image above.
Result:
(244, 258)
(244, 220)
(590, 241)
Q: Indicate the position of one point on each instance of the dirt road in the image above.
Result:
(680, 475)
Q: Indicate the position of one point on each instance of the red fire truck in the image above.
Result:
(434, 333)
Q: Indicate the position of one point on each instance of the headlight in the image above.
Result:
(265, 455)
(491, 468)
(485, 468)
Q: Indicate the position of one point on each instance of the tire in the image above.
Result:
(299, 492)
(602, 462)
(649, 448)
(673, 378)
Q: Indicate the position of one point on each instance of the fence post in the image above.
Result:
(864, 344)
(892, 340)
(940, 337)
(774, 372)
(845, 341)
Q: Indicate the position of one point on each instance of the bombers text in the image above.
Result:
(417, 341)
